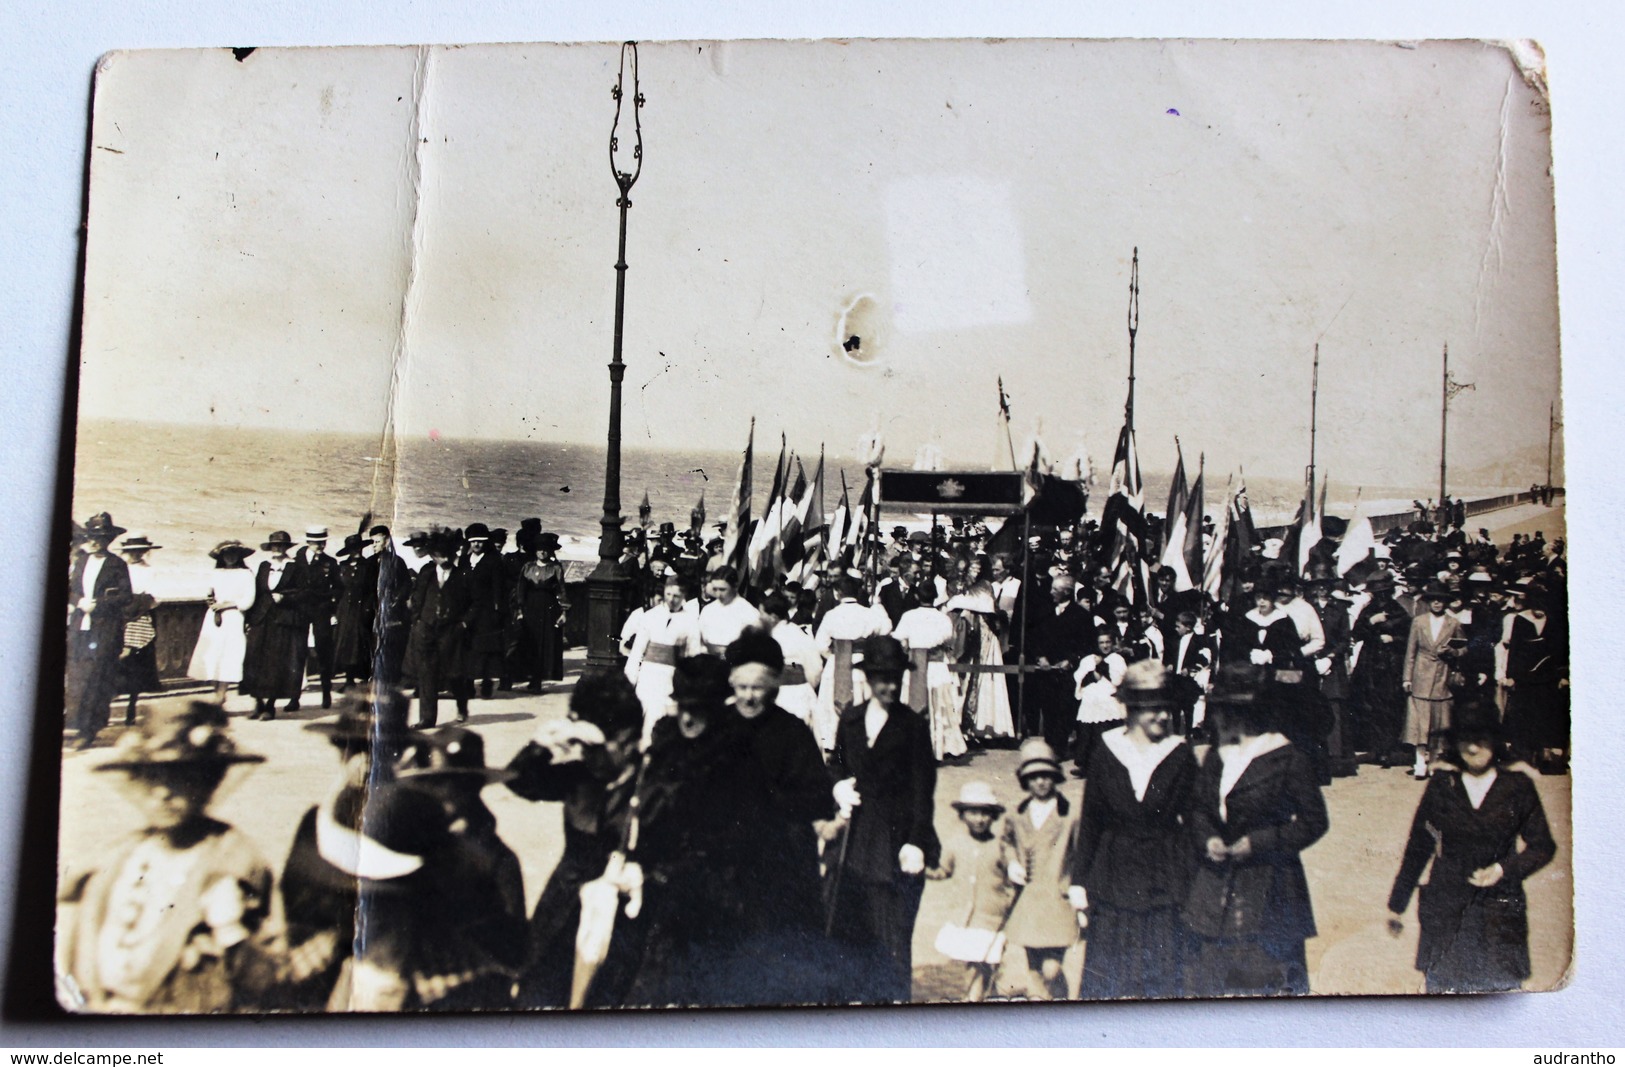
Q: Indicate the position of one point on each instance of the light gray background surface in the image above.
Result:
(44, 98)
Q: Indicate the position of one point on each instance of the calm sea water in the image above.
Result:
(190, 487)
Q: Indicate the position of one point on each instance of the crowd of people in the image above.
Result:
(746, 823)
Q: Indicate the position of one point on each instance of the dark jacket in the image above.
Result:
(798, 789)
(441, 620)
(1277, 805)
(112, 596)
(1280, 639)
(1063, 637)
(1134, 855)
(896, 781)
(1459, 841)
(487, 600)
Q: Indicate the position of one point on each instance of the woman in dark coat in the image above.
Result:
(542, 607)
(1256, 807)
(352, 638)
(274, 665)
(1537, 714)
(885, 784)
(1473, 914)
(1376, 688)
(700, 828)
(589, 761)
(1264, 636)
(1132, 862)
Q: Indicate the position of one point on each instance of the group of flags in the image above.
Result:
(794, 536)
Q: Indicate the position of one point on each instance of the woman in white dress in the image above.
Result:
(221, 644)
(984, 697)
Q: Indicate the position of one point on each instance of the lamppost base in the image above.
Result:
(608, 594)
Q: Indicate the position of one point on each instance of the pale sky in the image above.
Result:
(273, 239)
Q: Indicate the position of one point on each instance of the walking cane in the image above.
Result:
(835, 881)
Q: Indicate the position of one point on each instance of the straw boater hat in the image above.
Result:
(100, 527)
(178, 734)
(1037, 757)
(977, 796)
(138, 543)
(233, 547)
(316, 533)
(278, 539)
(453, 752)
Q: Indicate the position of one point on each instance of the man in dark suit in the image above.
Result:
(1059, 639)
(886, 779)
(895, 593)
(483, 568)
(98, 593)
(322, 590)
(391, 579)
(442, 609)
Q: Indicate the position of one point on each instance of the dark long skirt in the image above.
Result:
(873, 935)
(92, 682)
(1480, 945)
(1132, 954)
(274, 664)
(545, 654)
(1258, 966)
(138, 671)
(1537, 717)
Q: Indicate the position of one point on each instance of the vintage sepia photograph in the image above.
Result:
(690, 524)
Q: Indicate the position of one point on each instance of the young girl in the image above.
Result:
(976, 849)
(1038, 841)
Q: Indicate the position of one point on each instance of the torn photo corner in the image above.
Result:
(707, 524)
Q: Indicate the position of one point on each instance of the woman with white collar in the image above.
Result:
(1129, 869)
(1256, 808)
(1470, 824)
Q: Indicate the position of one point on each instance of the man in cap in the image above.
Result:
(885, 786)
(322, 591)
(442, 609)
(98, 593)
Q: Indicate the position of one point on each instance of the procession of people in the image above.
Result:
(749, 805)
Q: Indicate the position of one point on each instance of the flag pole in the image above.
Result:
(1133, 329)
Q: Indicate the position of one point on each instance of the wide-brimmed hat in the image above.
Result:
(977, 796)
(1036, 757)
(1146, 682)
(101, 527)
(440, 543)
(453, 752)
(353, 546)
(315, 533)
(178, 733)
(1380, 582)
(547, 541)
(278, 539)
(883, 654)
(382, 833)
(137, 543)
(476, 531)
(1435, 591)
(1238, 684)
(231, 548)
(415, 539)
(377, 713)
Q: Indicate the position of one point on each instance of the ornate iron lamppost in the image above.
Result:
(608, 585)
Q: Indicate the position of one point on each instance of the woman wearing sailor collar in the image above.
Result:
(1257, 806)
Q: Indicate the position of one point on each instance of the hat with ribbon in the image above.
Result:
(278, 539)
(175, 734)
(452, 752)
(1036, 757)
(977, 796)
